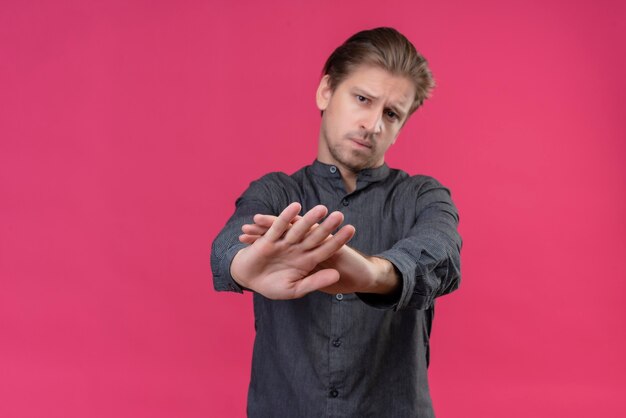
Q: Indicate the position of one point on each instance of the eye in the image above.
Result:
(391, 115)
(362, 99)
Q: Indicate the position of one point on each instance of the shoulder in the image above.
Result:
(273, 178)
(276, 189)
(270, 183)
(417, 184)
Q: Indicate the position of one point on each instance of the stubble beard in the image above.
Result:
(355, 164)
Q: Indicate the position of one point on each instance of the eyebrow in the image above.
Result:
(394, 108)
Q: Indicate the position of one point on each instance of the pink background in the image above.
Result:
(127, 132)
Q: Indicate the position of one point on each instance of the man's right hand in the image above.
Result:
(280, 264)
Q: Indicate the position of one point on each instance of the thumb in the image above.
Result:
(316, 281)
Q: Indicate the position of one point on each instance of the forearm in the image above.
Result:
(429, 264)
(427, 259)
(361, 273)
(387, 279)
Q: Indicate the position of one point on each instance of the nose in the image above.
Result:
(372, 121)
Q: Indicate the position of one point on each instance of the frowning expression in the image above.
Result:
(362, 117)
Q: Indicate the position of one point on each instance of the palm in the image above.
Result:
(358, 273)
(281, 263)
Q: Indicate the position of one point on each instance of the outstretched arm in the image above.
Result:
(426, 261)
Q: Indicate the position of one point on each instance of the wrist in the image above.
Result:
(234, 270)
(386, 279)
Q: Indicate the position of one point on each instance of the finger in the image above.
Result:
(334, 288)
(268, 220)
(254, 229)
(323, 231)
(313, 228)
(264, 220)
(283, 220)
(334, 243)
(262, 223)
(299, 229)
(248, 239)
(315, 281)
(344, 235)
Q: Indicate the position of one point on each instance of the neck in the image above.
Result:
(348, 176)
(349, 179)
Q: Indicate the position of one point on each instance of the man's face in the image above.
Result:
(362, 117)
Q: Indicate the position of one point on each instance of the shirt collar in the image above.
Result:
(368, 175)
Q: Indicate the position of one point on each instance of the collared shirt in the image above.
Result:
(350, 355)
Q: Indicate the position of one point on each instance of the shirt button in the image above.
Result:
(333, 169)
(333, 393)
(345, 202)
(339, 296)
(337, 342)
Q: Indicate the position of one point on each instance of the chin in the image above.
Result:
(357, 165)
(351, 159)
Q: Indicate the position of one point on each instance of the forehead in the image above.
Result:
(381, 84)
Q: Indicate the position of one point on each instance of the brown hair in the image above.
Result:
(388, 49)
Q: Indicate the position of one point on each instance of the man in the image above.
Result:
(344, 330)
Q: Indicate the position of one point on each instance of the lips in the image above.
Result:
(361, 142)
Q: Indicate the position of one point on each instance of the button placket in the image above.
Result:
(336, 356)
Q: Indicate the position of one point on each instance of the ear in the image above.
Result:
(324, 92)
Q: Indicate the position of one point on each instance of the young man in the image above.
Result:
(344, 330)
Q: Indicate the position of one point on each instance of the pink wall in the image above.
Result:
(127, 132)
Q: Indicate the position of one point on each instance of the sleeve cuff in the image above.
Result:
(224, 281)
(409, 272)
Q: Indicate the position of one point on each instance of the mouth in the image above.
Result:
(361, 143)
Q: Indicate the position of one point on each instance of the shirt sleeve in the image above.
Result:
(265, 196)
(428, 257)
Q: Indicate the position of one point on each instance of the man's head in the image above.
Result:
(387, 49)
(371, 85)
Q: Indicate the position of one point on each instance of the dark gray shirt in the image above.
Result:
(350, 355)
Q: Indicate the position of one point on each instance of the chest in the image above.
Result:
(381, 215)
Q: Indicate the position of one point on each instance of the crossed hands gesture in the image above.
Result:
(291, 256)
